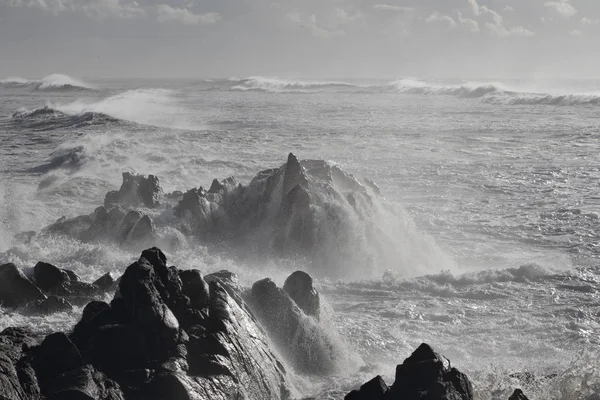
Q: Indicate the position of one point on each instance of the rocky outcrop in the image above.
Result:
(309, 208)
(518, 395)
(300, 338)
(136, 191)
(16, 290)
(166, 334)
(426, 374)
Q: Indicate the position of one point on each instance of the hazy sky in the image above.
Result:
(311, 38)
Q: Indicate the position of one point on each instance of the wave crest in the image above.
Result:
(276, 85)
(467, 90)
(48, 83)
(50, 118)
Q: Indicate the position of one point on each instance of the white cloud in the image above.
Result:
(468, 23)
(437, 17)
(502, 32)
(508, 9)
(166, 13)
(587, 21)
(98, 9)
(474, 6)
(563, 7)
(576, 32)
(389, 7)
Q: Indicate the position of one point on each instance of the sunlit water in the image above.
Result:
(502, 179)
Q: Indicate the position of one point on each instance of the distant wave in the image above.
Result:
(468, 90)
(48, 83)
(494, 93)
(49, 118)
(151, 107)
(277, 85)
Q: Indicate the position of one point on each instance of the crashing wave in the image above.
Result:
(276, 85)
(310, 210)
(582, 99)
(467, 90)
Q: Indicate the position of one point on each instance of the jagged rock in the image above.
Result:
(136, 190)
(47, 276)
(518, 395)
(375, 389)
(18, 380)
(195, 287)
(16, 289)
(424, 375)
(299, 286)
(106, 282)
(64, 283)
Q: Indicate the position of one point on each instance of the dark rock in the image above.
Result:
(136, 190)
(195, 287)
(17, 378)
(83, 383)
(106, 282)
(53, 304)
(16, 289)
(518, 395)
(375, 389)
(294, 174)
(299, 286)
(427, 374)
(47, 276)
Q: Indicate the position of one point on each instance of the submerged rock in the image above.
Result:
(424, 375)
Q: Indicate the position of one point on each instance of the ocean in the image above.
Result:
(490, 213)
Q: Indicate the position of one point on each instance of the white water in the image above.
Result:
(492, 205)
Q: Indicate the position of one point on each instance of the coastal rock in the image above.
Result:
(106, 282)
(299, 285)
(424, 375)
(298, 337)
(61, 282)
(136, 190)
(153, 341)
(18, 380)
(16, 290)
(51, 305)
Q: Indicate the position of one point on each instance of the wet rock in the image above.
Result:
(195, 287)
(518, 395)
(53, 304)
(47, 276)
(375, 389)
(136, 190)
(18, 380)
(16, 290)
(299, 285)
(426, 374)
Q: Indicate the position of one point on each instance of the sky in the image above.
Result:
(301, 38)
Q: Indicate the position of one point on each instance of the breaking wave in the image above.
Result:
(48, 83)
(48, 118)
(276, 85)
(495, 93)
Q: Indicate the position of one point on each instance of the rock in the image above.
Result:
(53, 304)
(375, 389)
(424, 375)
(299, 286)
(16, 289)
(136, 190)
(83, 383)
(195, 287)
(106, 282)
(47, 276)
(294, 174)
(299, 338)
(518, 395)
(18, 380)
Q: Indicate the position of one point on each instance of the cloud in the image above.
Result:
(508, 9)
(502, 32)
(98, 9)
(437, 17)
(562, 7)
(475, 7)
(587, 21)
(166, 13)
(468, 23)
(389, 7)
(576, 33)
